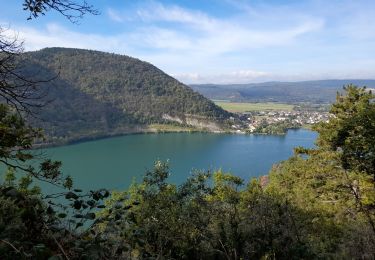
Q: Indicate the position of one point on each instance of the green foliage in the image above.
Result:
(319, 204)
(15, 135)
(278, 128)
(21, 225)
(32, 225)
(202, 218)
(335, 181)
(352, 130)
(36, 227)
(16, 140)
(99, 94)
(10, 177)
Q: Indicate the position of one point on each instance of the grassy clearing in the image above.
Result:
(246, 107)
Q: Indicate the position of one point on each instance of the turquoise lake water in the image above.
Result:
(113, 163)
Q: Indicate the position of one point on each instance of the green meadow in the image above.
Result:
(246, 107)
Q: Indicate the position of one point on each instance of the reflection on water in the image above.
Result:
(114, 162)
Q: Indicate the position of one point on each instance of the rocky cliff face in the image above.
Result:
(199, 122)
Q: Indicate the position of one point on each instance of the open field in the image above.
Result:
(245, 107)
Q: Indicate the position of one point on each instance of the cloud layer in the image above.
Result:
(248, 43)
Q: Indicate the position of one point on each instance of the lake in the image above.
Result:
(113, 163)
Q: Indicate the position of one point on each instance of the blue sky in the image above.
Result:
(227, 41)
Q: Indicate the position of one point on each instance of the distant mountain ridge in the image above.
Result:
(99, 93)
(315, 91)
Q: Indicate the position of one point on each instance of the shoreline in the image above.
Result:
(139, 131)
(117, 134)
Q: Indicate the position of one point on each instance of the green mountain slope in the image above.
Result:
(99, 93)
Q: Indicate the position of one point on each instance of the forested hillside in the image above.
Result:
(315, 91)
(95, 93)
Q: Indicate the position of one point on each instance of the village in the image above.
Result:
(276, 122)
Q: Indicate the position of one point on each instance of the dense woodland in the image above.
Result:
(92, 93)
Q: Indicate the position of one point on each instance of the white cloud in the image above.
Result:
(158, 11)
(176, 53)
(56, 36)
(173, 13)
(248, 74)
(160, 38)
(209, 34)
(251, 76)
(193, 31)
(114, 16)
(276, 42)
(241, 76)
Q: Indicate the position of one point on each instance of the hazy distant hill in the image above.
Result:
(99, 93)
(317, 91)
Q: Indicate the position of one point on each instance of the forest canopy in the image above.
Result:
(94, 93)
